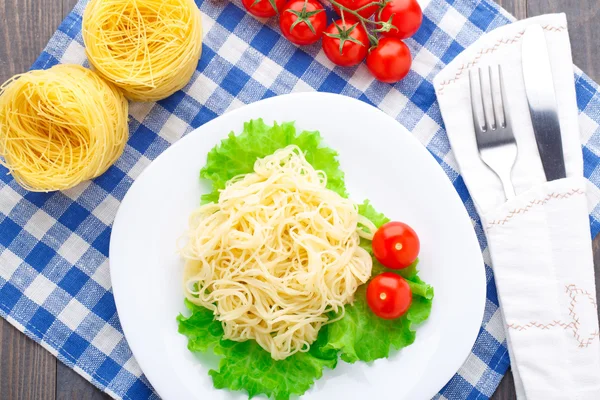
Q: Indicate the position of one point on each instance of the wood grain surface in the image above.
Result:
(29, 372)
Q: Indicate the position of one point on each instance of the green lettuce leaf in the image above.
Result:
(363, 336)
(201, 328)
(366, 210)
(359, 336)
(419, 310)
(246, 366)
(236, 155)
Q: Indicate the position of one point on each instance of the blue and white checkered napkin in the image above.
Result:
(54, 277)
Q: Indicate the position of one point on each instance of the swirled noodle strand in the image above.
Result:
(60, 127)
(149, 48)
(276, 254)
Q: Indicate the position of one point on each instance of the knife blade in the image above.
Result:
(539, 87)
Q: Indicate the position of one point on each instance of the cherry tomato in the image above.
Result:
(263, 8)
(406, 16)
(302, 22)
(345, 44)
(390, 61)
(396, 245)
(355, 5)
(389, 295)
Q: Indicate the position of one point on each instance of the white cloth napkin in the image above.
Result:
(539, 241)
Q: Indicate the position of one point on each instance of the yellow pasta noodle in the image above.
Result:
(276, 254)
(149, 48)
(60, 127)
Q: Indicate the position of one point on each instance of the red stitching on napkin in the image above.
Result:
(573, 292)
(532, 204)
(482, 52)
(551, 28)
(533, 324)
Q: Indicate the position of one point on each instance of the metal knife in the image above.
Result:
(539, 87)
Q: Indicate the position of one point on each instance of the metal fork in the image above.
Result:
(493, 130)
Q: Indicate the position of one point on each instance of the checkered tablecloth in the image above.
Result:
(54, 277)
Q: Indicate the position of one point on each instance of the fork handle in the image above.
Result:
(509, 190)
(501, 160)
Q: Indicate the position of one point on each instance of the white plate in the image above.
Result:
(382, 162)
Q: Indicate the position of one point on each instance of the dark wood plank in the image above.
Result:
(27, 371)
(26, 26)
(518, 8)
(506, 390)
(583, 17)
(596, 246)
(72, 386)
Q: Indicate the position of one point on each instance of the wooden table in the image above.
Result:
(27, 371)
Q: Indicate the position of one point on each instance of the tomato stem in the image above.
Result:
(355, 12)
(371, 4)
(304, 16)
(344, 34)
(372, 38)
(379, 26)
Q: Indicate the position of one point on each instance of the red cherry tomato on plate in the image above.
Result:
(263, 8)
(345, 44)
(389, 295)
(406, 17)
(303, 22)
(354, 5)
(396, 245)
(390, 61)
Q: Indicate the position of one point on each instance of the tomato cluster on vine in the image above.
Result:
(366, 29)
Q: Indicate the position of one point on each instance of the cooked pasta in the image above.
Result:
(149, 48)
(60, 127)
(276, 254)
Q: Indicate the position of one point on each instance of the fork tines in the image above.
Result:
(491, 120)
(488, 104)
